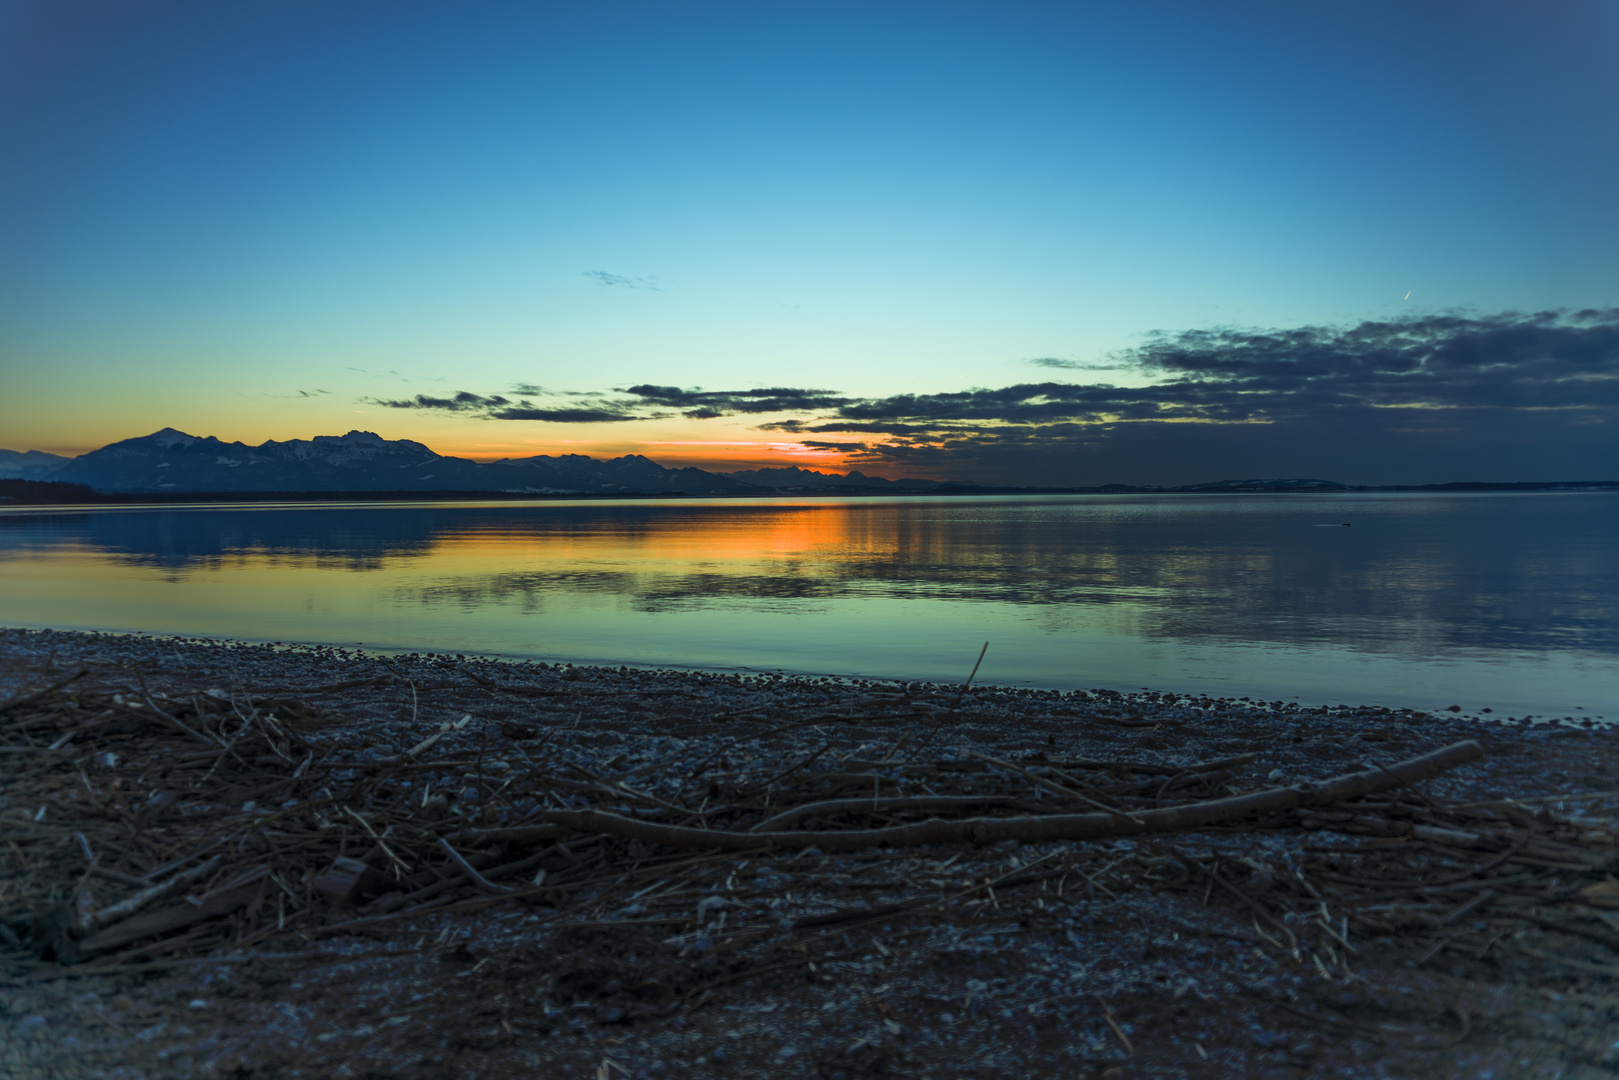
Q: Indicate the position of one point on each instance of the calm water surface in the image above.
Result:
(1493, 600)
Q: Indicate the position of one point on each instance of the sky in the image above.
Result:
(1013, 242)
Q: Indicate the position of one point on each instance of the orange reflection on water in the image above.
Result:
(1506, 599)
(733, 535)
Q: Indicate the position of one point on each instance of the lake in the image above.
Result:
(1504, 601)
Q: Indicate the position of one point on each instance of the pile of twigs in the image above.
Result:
(140, 825)
(1471, 878)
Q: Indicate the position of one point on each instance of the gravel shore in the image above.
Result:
(1123, 964)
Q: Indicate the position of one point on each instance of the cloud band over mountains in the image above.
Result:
(1435, 375)
(665, 401)
(500, 407)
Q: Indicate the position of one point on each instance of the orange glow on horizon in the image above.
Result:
(710, 455)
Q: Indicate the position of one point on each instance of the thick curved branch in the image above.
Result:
(1095, 826)
(917, 803)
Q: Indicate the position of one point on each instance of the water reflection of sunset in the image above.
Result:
(1424, 597)
(742, 535)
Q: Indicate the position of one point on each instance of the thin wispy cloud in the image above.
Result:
(297, 395)
(1072, 365)
(603, 277)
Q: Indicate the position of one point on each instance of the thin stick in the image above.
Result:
(472, 875)
(28, 699)
(1107, 1014)
(955, 701)
(970, 676)
(200, 737)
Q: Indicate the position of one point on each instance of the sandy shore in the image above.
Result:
(1119, 967)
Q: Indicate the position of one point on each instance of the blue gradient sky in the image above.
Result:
(208, 210)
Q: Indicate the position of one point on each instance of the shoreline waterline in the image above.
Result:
(295, 653)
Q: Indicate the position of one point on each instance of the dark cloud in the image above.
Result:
(461, 402)
(500, 407)
(1351, 447)
(1437, 397)
(564, 416)
(803, 427)
(705, 404)
(1024, 403)
(602, 277)
(1547, 360)
(836, 447)
(1442, 397)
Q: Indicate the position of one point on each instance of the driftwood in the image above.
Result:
(175, 917)
(169, 790)
(918, 804)
(518, 834)
(1095, 826)
(150, 894)
(467, 868)
(25, 699)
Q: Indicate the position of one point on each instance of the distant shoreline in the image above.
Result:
(53, 493)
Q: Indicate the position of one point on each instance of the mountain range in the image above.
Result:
(29, 464)
(173, 462)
